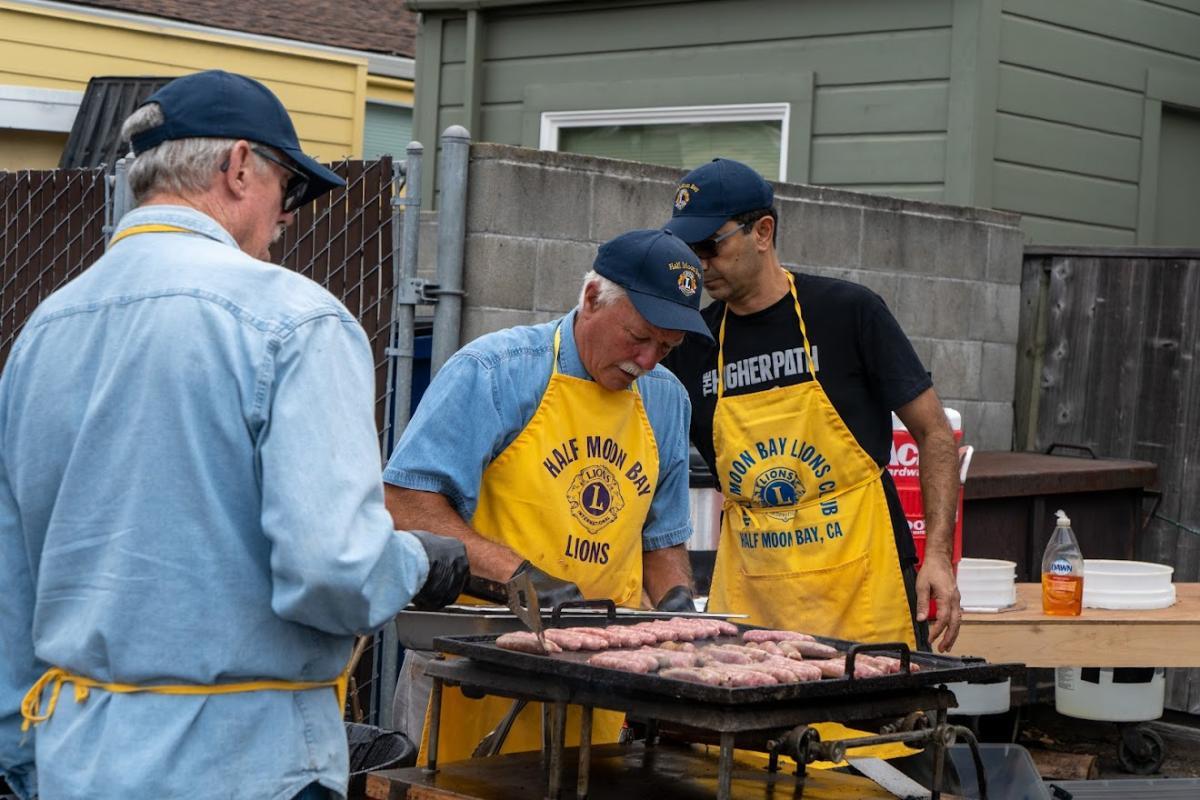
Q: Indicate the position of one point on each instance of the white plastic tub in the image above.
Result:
(1127, 584)
(1110, 694)
(987, 583)
(981, 698)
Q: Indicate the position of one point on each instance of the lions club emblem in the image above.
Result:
(778, 487)
(687, 283)
(683, 195)
(594, 498)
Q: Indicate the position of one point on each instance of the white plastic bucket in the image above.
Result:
(1127, 584)
(975, 699)
(1110, 694)
(987, 583)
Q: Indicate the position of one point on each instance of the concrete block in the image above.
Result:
(986, 425)
(499, 270)
(560, 270)
(522, 200)
(927, 245)
(1006, 249)
(955, 366)
(819, 234)
(923, 347)
(935, 307)
(476, 321)
(620, 205)
(998, 372)
(995, 312)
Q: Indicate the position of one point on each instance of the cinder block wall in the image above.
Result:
(951, 275)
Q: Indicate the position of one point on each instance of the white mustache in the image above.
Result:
(632, 368)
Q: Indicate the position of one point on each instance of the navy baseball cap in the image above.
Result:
(221, 105)
(661, 275)
(709, 195)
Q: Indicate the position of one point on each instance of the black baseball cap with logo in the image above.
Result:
(222, 105)
(661, 276)
(709, 195)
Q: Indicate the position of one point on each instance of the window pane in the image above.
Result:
(386, 131)
(756, 143)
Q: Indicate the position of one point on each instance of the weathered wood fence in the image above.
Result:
(1109, 357)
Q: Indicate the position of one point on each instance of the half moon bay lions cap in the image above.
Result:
(221, 105)
(661, 275)
(709, 195)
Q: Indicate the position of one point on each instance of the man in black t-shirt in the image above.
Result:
(813, 535)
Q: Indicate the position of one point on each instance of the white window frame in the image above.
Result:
(554, 121)
(31, 108)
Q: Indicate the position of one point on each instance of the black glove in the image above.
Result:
(677, 598)
(448, 571)
(550, 590)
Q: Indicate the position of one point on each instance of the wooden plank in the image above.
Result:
(1022, 140)
(888, 108)
(1000, 474)
(1052, 765)
(1145, 24)
(1031, 343)
(1060, 99)
(865, 58)
(1168, 637)
(572, 30)
(1076, 54)
(1067, 362)
(902, 158)
(1065, 195)
(1047, 231)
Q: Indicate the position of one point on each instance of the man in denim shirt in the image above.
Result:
(192, 525)
(560, 451)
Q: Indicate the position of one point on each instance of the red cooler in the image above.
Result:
(906, 474)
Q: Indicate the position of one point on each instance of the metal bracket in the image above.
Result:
(420, 292)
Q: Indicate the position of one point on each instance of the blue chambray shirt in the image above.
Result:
(485, 395)
(189, 493)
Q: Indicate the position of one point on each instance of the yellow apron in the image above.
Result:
(806, 536)
(55, 677)
(571, 493)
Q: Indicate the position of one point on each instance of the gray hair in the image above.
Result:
(176, 166)
(608, 292)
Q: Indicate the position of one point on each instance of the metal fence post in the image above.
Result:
(400, 366)
(118, 199)
(452, 228)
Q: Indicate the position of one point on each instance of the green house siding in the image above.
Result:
(868, 80)
(1076, 127)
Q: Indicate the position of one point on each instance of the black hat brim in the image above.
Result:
(669, 315)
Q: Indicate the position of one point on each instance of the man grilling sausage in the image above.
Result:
(560, 450)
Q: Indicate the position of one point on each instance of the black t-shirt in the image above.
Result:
(865, 363)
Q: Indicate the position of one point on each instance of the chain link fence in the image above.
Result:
(53, 226)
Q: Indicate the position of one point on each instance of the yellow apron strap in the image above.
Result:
(55, 677)
(134, 230)
(803, 335)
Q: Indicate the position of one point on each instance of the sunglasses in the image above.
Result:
(297, 185)
(707, 248)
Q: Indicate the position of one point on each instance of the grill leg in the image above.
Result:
(725, 768)
(939, 757)
(773, 763)
(585, 752)
(435, 724)
(558, 733)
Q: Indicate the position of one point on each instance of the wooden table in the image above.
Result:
(1166, 637)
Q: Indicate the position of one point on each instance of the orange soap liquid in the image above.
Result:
(1062, 595)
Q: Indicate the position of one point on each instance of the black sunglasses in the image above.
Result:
(297, 185)
(707, 248)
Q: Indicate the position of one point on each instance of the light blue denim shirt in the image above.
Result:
(485, 395)
(189, 493)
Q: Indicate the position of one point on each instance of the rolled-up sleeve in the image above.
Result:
(336, 563)
(668, 523)
(18, 666)
(458, 429)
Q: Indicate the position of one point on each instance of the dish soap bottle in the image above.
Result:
(1062, 572)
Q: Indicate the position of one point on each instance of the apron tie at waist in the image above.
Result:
(55, 677)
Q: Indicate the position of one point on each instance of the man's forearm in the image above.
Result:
(939, 492)
(663, 570)
(412, 509)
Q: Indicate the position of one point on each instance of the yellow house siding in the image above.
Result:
(389, 90)
(325, 94)
(30, 149)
